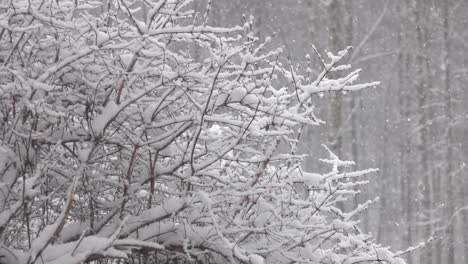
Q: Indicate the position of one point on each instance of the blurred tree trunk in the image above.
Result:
(386, 181)
(401, 121)
(451, 188)
(335, 44)
(423, 93)
(401, 148)
(464, 171)
(438, 182)
(465, 182)
(404, 101)
(408, 173)
(354, 102)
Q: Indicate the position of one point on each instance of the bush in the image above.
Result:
(134, 131)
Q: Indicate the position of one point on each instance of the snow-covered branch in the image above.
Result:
(124, 133)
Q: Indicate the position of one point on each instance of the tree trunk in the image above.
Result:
(422, 94)
(451, 188)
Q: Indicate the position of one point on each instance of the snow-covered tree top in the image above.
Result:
(134, 127)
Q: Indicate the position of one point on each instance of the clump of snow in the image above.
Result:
(237, 94)
(384, 254)
(108, 113)
(398, 261)
(248, 58)
(250, 99)
(312, 179)
(221, 99)
(256, 259)
(262, 219)
(101, 37)
(148, 113)
(339, 224)
(83, 154)
(215, 131)
(127, 59)
(142, 194)
(205, 198)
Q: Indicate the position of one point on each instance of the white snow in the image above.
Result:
(256, 259)
(205, 198)
(127, 59)
(385, 254)
(215, 131)
(237, 94)
(83, 154)
(250, 99)
(312, 179)
(108, 113)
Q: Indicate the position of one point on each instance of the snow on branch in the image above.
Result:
(128, 134)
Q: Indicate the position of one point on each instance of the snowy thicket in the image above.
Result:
(135, 129)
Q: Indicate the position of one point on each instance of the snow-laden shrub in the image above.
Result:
(133, 130)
